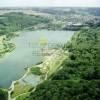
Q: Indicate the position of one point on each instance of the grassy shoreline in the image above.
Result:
(47, 68)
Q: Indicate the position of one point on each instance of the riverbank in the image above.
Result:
(51, 63)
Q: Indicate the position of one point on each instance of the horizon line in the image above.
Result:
(50, 6)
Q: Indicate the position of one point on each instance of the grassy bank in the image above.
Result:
(79, 76)
(51, 64)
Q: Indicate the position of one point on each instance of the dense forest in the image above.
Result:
(3, 94)
(79, 79)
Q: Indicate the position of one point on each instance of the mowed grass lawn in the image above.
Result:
(53, 62)
(22, 97)
(20, 89)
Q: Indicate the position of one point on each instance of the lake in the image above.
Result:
(12, 66)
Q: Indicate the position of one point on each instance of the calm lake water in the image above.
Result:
(13, 66)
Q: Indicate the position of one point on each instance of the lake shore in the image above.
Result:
(47, 71)
(44, 69)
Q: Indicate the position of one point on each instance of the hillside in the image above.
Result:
(80, 76)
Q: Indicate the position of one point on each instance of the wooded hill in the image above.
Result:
(79, 79)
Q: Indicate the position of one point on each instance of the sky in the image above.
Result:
(43, 3)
